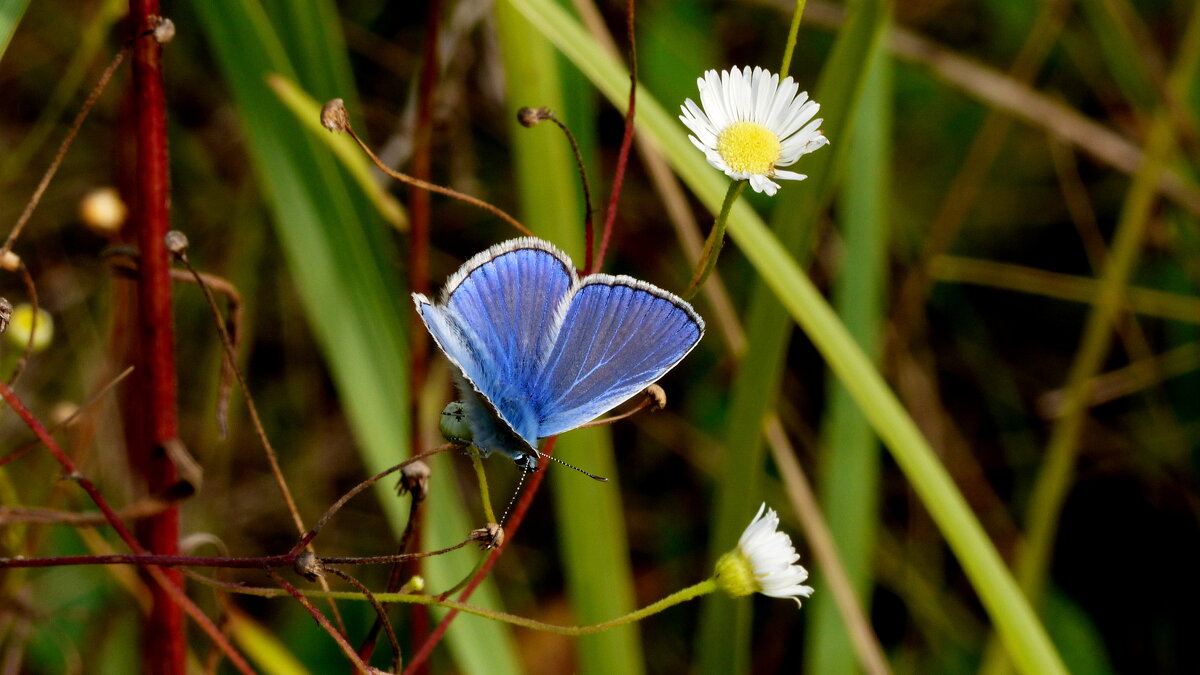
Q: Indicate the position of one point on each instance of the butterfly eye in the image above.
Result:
(454, 425)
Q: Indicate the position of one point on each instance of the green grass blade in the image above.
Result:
(593, 542)
(308, 113)
(849, 480)
(1019, 627)
(264, 648)
(11, 12)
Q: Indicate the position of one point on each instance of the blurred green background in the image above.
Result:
(1005, 221)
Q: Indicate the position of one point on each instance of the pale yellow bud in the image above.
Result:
(103, 210)
(21, 325)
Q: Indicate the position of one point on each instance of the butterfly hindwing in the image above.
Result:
(617, 335)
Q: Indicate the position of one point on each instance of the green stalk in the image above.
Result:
(1016, 622)
(716, 239)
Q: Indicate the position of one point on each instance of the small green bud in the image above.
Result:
(735, 575)
(21, 325)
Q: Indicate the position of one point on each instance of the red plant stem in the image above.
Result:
(518, 515)
(418, 271)
(626, 142)
(419, 199)
(161, 580)
(164, 647)
(316, 614)
(419, 256)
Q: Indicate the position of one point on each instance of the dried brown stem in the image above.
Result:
(432, 187)
(380, 613)
(31, 290)
(322, 621)
(20, 452)
(62, 151)
(230, 349)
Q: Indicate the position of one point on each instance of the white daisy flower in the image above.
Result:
(749, 123)
(763, 562)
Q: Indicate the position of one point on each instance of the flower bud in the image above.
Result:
(21, 325)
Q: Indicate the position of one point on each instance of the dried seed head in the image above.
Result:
(164, 29)
(102, 210)
(488, 536)
(177, 242)
(531, 117)
(11, 262)
(334, 116)
(308, 566)
(6, 310)
(414, 478)
(657, 396)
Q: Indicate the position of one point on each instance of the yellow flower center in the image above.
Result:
(749, 147)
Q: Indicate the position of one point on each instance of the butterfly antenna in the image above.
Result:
(513, 500)
(552, 458)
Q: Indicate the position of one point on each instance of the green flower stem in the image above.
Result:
(716, 239)
(690, 593)
(793, 30)
(484, 494)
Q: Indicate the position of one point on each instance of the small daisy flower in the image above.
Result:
(763, 562)
(749, 123)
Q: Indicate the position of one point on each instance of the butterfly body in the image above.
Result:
(539, 351)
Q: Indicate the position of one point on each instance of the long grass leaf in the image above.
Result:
(849, 477)
(11, 12)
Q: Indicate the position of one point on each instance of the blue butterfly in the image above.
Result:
(539, 351)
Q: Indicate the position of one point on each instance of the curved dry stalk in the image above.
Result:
(804, 504)
(230, 349)
(31, 290)
(334, 633)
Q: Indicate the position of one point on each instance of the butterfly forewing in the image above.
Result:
(617, 336)
(508, 296)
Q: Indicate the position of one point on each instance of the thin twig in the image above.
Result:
(31, 290)
(62, 151)
(20, 452)
(367, 647)
(258, 562)
(610, 215)
(20, 514)
(329, 513)
(1021, 101)
(380, 614)
(642, 405)
(432, 187)
(518, 516)
(272, 458)
(320, 619)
